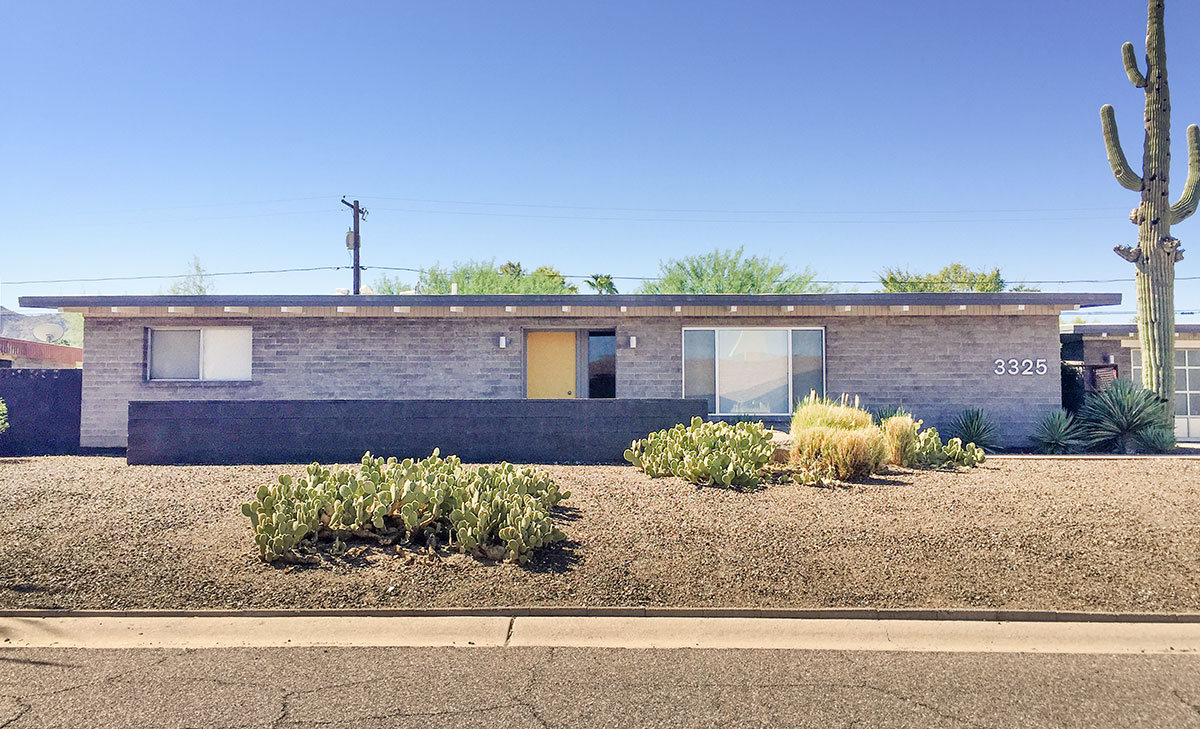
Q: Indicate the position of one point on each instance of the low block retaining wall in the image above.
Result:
(301, 431)
(43, 411)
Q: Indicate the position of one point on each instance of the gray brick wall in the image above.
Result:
(934, 365)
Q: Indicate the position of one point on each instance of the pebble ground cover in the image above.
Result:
(93, 532)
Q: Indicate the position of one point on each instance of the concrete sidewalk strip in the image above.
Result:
(226, 632)
(957, 636)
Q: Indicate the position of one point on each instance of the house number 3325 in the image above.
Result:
(1020, 366)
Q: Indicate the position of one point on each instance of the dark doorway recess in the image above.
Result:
(602, 364)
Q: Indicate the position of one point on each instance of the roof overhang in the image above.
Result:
(1104, 331)
(1062, 301)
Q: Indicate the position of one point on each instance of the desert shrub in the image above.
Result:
(1057, 433)
(847, 453)
(932, 453)
(3, 415)
(815, 411)
(705, 453)
(900, 436)
(1114, 418)
(833, 439)
(973, 426)
(499, 511)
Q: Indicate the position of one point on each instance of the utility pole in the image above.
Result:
(360, 213)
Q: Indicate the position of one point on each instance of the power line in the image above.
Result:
(547, 273)
(189, 207)
(629, 219)
(735, 211)
(173, 275)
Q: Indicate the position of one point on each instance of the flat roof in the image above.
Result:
(41, 351)
(1007, 298)
(1119, 330)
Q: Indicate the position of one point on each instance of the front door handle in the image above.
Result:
(570, 393)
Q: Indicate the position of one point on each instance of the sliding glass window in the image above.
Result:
(753, 371)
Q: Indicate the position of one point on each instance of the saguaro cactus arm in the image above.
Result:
(1190, 196)
(1132, 254)
(1131, 67)
(1129, 179)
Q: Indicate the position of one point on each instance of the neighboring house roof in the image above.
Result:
(41, 352)
(1008, 298)
(1121, 330)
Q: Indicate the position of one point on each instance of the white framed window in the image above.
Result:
(199, 353)
(753, 370)
(1187, 390)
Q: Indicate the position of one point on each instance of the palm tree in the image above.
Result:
(601, 283)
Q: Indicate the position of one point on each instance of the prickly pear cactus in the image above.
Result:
(499, 511)
(282, 514)
(932, 454)
(705, 453)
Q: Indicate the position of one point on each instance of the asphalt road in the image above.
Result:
(333, 688)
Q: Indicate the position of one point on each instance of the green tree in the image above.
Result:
(512, 268)
(1157, 251)
(3, 416)
(601, 283)
(483, 277)
(953, 278)
(729, 272)
(195, 283)
(386, 285)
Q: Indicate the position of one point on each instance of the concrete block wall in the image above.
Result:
(934, 365)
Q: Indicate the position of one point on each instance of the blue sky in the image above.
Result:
(594, 137)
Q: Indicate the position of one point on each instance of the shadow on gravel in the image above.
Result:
(556, 558)
(566, 513)
(882, 479)
(24, 588)
(35, 662)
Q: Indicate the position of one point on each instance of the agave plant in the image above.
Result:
(1122, 417)
(972, 426)
(1057, 433)
(1159, 439)
(889, 411)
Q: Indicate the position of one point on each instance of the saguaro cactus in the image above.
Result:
(1157, 251)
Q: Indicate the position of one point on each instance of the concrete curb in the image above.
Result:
(654, 633)
(1091, 457)
(916, 614)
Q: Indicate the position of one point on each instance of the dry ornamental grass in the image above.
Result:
(91, 532)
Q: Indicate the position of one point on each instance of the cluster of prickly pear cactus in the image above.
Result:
(932, 454)
(705, 453)
(502, 523)
(283, 514)
(499, 511)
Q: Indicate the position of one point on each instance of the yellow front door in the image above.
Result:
(550, 364)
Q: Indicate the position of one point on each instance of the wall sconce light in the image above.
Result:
(503, 342)
(633, 342)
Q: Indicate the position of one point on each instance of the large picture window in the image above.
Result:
(752, 371)
(200, 353)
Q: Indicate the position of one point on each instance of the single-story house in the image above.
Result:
(25, 354)
(1115, 349)
(746, 356)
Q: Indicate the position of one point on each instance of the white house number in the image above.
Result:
(1020, 367)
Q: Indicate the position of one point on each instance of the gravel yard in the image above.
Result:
(92, 532)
